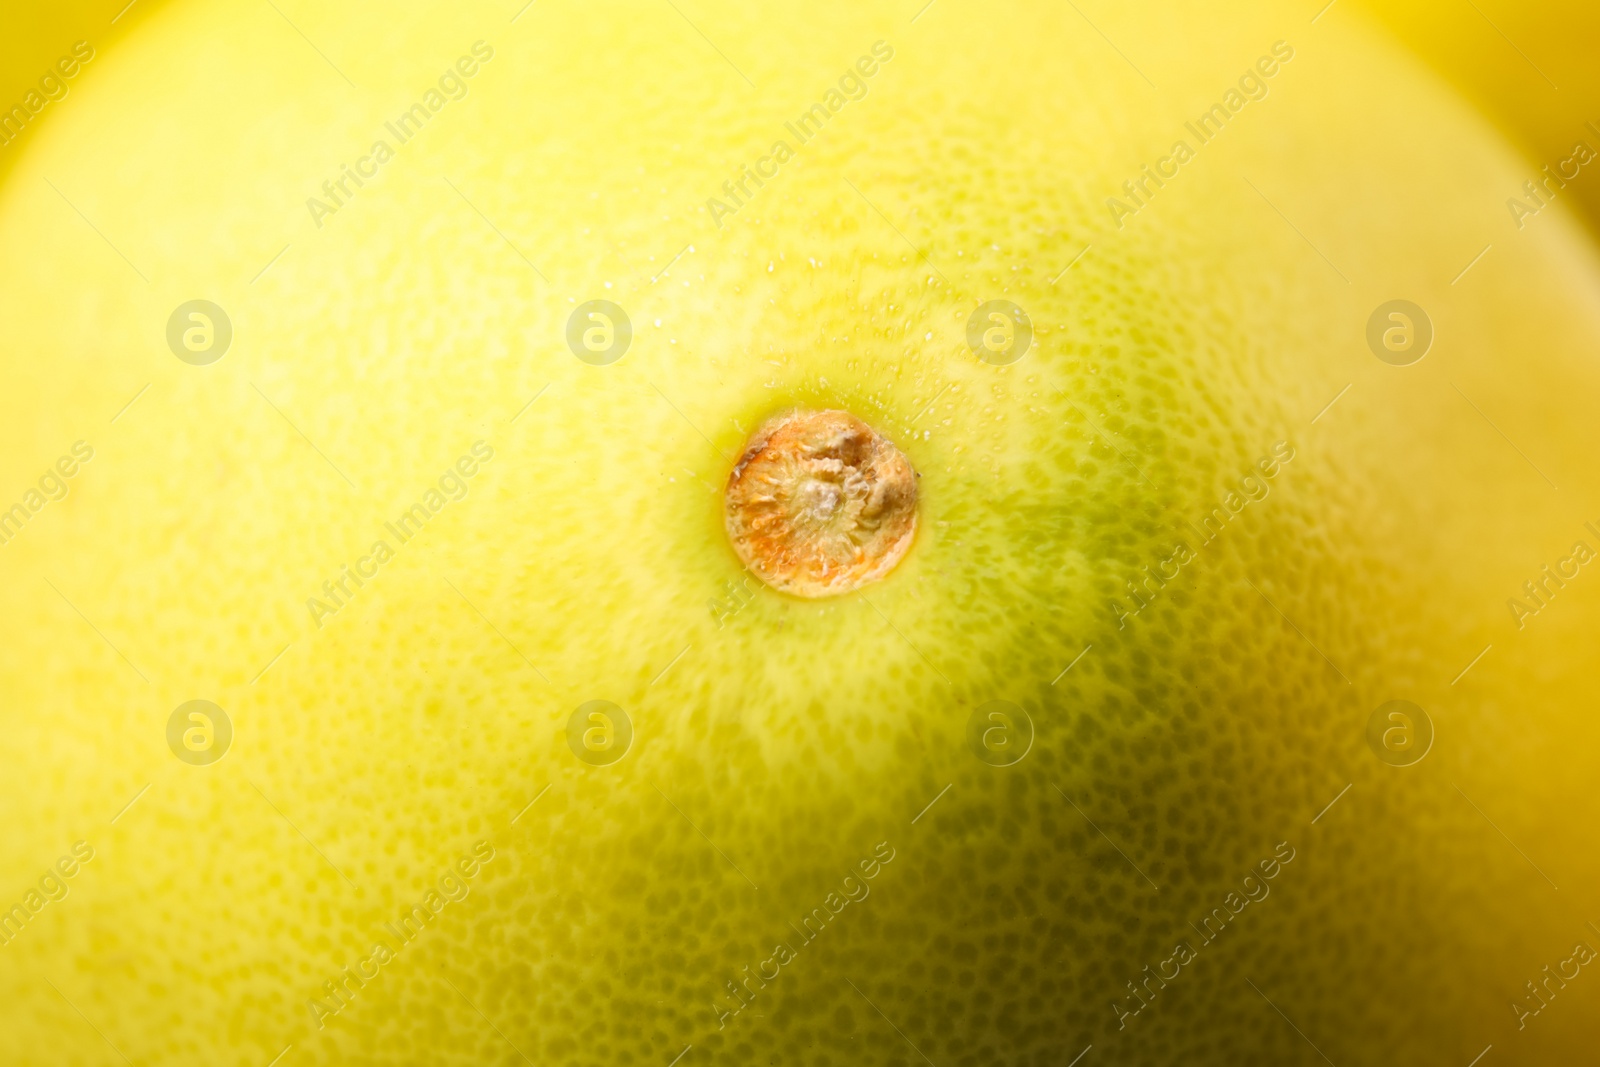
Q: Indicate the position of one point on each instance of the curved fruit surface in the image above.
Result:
(1530, 67)
(1089, 769)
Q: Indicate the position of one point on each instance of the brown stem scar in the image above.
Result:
(821, 504)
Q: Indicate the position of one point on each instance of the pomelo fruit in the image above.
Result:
(383, 686)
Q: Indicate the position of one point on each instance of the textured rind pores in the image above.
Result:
(821, 504)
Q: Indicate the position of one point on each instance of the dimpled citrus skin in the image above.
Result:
(779, 744)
